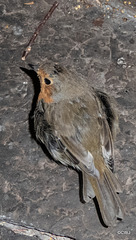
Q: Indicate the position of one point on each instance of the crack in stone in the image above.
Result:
(30, 231)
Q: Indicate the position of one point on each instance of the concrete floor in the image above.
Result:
(98, 39)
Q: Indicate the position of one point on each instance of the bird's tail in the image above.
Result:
(105, 189)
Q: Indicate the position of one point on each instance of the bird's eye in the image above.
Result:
(47, 81)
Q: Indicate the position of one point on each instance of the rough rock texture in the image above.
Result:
(98, 39)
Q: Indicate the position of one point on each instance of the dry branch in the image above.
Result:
(38, 29)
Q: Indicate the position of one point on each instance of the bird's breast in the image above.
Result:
(46, 94)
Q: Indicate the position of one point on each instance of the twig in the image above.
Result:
(28, 48)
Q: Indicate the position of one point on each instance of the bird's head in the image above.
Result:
(58, 83)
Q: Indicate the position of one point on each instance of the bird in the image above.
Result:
(78, 123)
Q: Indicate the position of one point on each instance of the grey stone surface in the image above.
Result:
(99, 41)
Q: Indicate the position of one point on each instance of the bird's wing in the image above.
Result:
(107, 144)
(78, 156)
(108, 122)
(67, 150)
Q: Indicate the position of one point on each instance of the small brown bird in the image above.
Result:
(77, 124)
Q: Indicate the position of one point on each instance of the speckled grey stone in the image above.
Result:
(100, 43)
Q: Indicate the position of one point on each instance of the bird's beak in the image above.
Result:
(34, 67)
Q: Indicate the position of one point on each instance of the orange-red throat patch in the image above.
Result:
(46, 90)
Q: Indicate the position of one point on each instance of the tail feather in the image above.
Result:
(108, 176)
(113, 180)
(87, 188)
(109, 202)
